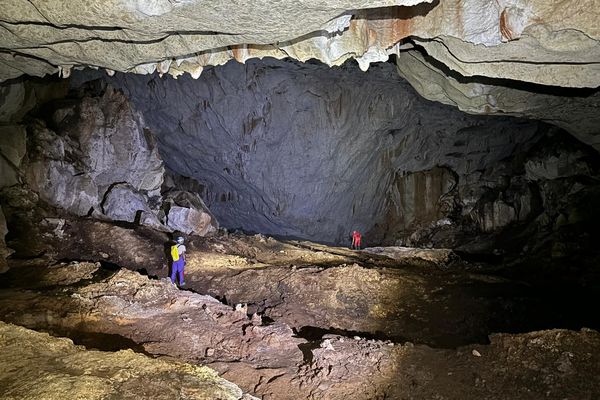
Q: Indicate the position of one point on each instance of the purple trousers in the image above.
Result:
(177, 268)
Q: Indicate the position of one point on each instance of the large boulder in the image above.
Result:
(113, 144)
(123, 203)
(61, 185)
(87, 146)
(187, 213)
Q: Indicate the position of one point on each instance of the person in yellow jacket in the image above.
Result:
(178, 256)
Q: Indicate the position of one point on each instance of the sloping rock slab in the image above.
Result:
(155, 314)
(38, 366)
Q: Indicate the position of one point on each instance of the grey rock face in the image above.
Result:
(114, 146)
(124, 203)
(94, 143)
(61, 185)
(304, 150)
(89, 153)
(187, 213)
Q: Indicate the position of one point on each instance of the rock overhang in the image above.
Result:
(492, 45)
(507, 39)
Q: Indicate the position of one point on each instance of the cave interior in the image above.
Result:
(461, 140)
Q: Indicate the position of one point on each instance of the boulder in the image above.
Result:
(187, 213)
(60, 185)
(83, 149)
(115, 146)
(123, 203)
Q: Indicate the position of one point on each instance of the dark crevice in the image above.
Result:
(98, 340)
(314, 333)
(505, 82)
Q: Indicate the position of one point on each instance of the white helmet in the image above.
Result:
(179, 240)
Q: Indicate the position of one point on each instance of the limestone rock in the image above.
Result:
(184, 324)
(485, 45)
(310, 151)
(20, 96)
(55, 368)
(151, 33)
(561, 165)
(187, 213)
(62, 186)
(474, 37)
(418, 199)
(496, 215)
(123, 203)
(575, 112)
(93, 144)
(114, 145)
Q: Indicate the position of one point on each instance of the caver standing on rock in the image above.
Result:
(356, 236)
(178, 257)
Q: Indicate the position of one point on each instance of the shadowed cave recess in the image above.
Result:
(466, 155)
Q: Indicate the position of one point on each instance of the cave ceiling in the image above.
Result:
(474, 54)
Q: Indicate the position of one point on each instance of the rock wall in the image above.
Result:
(303, 150)
(86, 153)
(290, 149)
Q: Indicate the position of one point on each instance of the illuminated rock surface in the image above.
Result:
(38, 366)
(113, 310)
(491, 43)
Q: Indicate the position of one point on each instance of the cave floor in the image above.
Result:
(315, 321)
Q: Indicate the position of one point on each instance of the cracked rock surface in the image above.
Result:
(112, 310)
(38, 366)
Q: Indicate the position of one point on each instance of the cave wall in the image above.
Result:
(308, 151)
(69, 154)
(291, 149)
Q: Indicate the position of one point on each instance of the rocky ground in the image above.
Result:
(39, 366)
(295, 320)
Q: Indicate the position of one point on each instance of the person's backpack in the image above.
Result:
(174, 253)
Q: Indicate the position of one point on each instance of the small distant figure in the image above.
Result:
(356, 240)
(178, 257)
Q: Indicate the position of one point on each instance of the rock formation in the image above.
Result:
(315, 152)
(89, 155)
(124, 123)
(310, 152)
(54, 368)
(113, 310)
(492, 38)
(491, 44)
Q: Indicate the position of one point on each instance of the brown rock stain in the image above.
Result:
(507, 34)
(239, 53)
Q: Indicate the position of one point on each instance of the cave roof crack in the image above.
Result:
(499, 61)
(91, 40)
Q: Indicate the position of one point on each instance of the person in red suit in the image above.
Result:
(356, 240)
